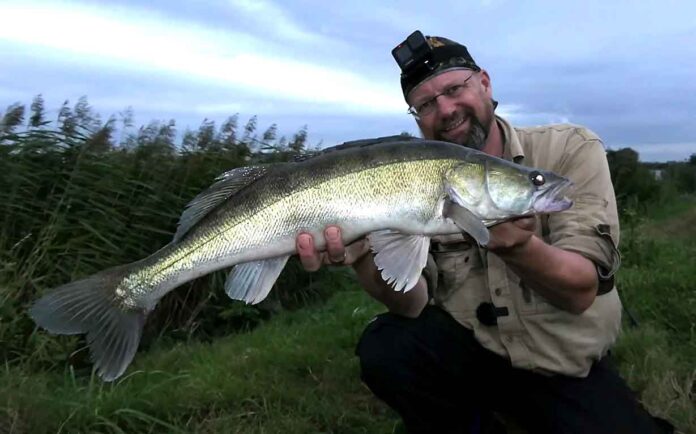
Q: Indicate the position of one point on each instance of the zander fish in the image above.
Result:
(400, 191)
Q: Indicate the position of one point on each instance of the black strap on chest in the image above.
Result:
(487, 313)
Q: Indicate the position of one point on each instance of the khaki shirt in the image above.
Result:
(534, 334)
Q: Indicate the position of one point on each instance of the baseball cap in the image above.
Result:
(440, 55)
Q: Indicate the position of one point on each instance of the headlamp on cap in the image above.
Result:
(413, 53)
(419, 57)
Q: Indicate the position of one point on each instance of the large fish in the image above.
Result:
(399, 191)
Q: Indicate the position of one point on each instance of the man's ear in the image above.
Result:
(486, 83)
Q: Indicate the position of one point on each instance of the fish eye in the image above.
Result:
(537, 178)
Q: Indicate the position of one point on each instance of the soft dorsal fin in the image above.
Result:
(224, 187)
(355, 144)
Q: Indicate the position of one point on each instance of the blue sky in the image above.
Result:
(625, 69)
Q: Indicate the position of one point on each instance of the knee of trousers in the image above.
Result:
(382, 350)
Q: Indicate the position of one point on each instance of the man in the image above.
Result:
(522, 327)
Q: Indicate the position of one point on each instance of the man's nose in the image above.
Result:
(446, 106)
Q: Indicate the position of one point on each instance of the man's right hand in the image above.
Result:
(358, 255)
(336, 252)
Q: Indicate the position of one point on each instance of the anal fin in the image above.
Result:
(252, 281)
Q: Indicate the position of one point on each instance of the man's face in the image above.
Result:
(464, 119)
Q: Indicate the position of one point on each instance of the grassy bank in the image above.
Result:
(296, 373)
(658, 286)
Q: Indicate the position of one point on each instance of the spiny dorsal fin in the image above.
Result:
(224, 187)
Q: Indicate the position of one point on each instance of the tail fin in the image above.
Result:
(90, 306)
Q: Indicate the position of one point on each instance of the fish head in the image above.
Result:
(495, 189)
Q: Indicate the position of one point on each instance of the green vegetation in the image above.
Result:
(657, 283)
(74, 201)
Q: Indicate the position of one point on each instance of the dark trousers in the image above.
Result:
(434, 373)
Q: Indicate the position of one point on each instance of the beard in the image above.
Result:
(477, 134)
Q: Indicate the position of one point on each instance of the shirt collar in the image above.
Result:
(512, 148)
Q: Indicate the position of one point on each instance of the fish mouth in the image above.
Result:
(554, 199)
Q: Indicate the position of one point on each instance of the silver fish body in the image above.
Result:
(400, 192)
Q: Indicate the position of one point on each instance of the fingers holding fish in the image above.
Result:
(310, 258)
(337, 253)
(335, 250)
(355, 251)
(511, 234)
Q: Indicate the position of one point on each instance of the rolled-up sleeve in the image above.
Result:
(591, 226)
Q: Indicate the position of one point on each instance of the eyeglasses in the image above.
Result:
(428, 107)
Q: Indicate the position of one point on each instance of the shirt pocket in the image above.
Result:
(454, 263)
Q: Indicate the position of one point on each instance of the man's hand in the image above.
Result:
(512, 234)
(566, 279)
(336, 252)
(358, 255)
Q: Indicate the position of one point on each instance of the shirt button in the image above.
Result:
(498, 291)
(508, 339)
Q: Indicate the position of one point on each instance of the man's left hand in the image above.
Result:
(511, 235)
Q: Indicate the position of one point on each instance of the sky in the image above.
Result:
(624, 69)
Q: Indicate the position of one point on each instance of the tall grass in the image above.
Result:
(657, 283)
(67, 211)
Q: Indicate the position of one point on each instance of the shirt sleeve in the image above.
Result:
(591, 226)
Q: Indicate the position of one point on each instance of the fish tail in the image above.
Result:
(91, 306)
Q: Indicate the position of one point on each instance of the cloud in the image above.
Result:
(138, 39)
(271, 18)
(328, 65)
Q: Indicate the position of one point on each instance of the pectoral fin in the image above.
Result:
(252, 281)
(401, 258)
(467, 222)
